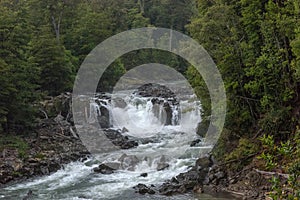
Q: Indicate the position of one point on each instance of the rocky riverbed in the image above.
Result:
(207, 176)
(54, 142)
(51, 146)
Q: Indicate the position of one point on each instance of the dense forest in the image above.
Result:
(254, 43)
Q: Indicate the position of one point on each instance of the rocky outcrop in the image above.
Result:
(58, 105)
(143, 189)
(161, 96)
(188, 181)
(119, 140)
(52, 146)
(209, 177)
(154, 90)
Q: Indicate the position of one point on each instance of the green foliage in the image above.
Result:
(111, 76)
(18, 77)
(14, 142)
(285, 155)
(255, 45)
(55, 65)
(242, 153)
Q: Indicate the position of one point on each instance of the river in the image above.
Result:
(77, 180)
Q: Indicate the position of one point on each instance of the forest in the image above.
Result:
(254, 43)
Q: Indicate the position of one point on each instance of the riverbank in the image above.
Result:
(41, 153)
(54, 145)
(172, 171)
(51, 150)
(209, 177)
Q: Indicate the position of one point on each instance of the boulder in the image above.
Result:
(154, 90)
(119, 140)
(119, 102)
(162, 96)
(190, 180)
(162, 164)
(104, 169)
(128, 162)
(143, 189)
(204, 163)
(195, 142)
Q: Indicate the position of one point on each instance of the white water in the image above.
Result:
(78, 181)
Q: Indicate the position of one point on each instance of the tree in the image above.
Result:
(18, 77)
(54, 62)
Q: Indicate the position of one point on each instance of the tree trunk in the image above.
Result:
(56, 26)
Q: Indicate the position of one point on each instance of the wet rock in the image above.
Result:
(143, 189)
(204, 162)
(154, 90)
(104, 169)
(128, 162)
(144, 174)
(162, 96)
(169, 189)
(195, 142)
(202, 128)
(119, 140)
(28, 195)
(119, 102)
(198, 189)
(50, 147)
(162, 166)
(103, 121)
(169, 113)
(190, 180)
(124, 130)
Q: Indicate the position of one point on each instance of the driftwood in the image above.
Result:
(235, 193)
(271, 173)
(45, 114)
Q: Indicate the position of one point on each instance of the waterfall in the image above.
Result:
(163, 150)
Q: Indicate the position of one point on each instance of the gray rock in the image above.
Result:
(128, 162)
(119, 102)
(143, 189)
(162, 166)
(104, 169)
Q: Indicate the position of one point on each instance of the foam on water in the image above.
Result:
(78, 181)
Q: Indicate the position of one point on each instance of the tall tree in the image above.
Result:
(17, 74)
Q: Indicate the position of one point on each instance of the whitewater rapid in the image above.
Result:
(77, 180)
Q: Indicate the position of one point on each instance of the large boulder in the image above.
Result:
(119, 140)
(161, 96)
(191, 180)
(154, 90)
(128, 162)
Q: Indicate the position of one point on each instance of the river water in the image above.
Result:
(78, 181)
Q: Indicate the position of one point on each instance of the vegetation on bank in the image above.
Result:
(255, 44)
